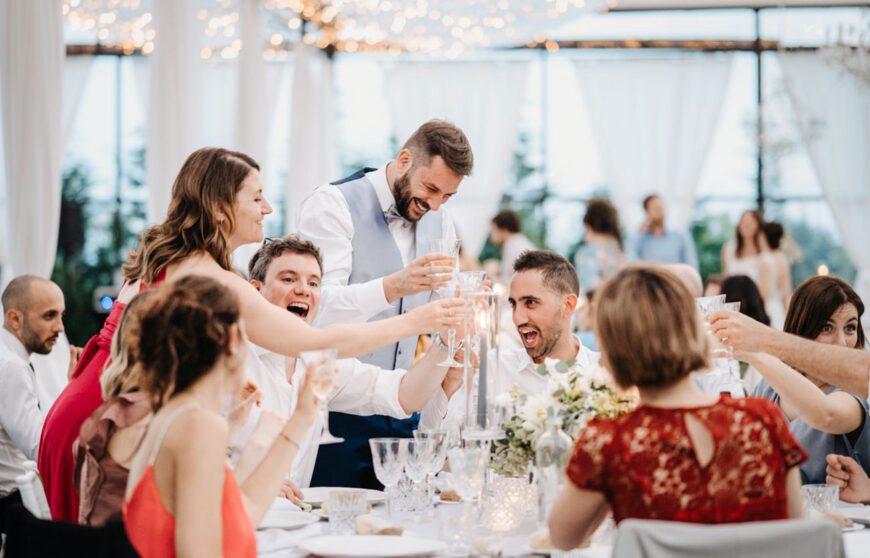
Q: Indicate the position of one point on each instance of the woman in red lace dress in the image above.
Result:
(683, 455)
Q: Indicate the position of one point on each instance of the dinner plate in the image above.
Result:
(855, 527)
(316, 495)
(370, 546)
(282, 518)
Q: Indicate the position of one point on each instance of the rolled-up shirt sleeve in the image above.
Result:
(20, 415)
(324, 219)
(365, 389)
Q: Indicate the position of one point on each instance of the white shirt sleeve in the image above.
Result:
(324, 218)
(20, 415)
(365, 389)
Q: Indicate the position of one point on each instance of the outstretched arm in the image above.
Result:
(835, 413)
(848, 369)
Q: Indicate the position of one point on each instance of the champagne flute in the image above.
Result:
(322, 383)
(449, 248)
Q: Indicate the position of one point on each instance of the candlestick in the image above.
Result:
(481, 381)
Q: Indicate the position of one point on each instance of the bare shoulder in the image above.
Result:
(197, 432)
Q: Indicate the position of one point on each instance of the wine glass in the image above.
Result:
(322, 383)
(468, 466)
(437, 454)
(417, 466)
(388, 457)
(449, 248)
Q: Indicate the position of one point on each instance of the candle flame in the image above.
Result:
(823, 270)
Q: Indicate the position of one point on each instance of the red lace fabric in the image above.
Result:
(645, 465)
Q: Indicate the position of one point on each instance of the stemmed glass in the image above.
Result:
(468, 466)
(437, 455)
(322, 384)
(417, 466)
(449, 248)
(468, 281)
(388, 457)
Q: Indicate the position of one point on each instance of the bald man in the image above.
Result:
(32, 321)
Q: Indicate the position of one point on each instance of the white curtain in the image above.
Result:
(172, 100)
(31, 81)
(833, 111)
(76, 71)
(313, 160)
(482, 98)
(653, 121)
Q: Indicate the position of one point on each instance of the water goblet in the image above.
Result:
(468, 466)
(388, 457)
(437, 456)
(322, 382)
(417, 467)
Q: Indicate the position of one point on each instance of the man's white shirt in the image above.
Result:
(324, 218)
(516, 367)
(21, 418)
(363, 389)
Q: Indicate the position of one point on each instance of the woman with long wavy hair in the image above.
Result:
(217, 205)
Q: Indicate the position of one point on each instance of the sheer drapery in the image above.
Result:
(482, 98)
(313, 160)
(653, 121)
(833, 112)
(31, 81)
(172, 100)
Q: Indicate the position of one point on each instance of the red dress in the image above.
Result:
(76, 402)
(645, 465)
(151, 528)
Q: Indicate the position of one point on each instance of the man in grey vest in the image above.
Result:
(373, 229)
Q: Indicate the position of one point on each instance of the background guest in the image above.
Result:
(742, 289)
(601, 254)
(32, 321)
(714, 285)
(507, 233)
(780, 275)
(744, 255)
(656, 244)
(181, 498)
(824, 419)
(645, 464)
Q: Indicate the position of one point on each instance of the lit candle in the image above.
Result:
(481, 375)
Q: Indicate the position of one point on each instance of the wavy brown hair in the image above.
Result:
(603, 218)
(122, 373)
(181, 334)
(815, 301)
(207, 184)
(759, 220)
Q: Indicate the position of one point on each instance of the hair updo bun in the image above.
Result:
(182, 332)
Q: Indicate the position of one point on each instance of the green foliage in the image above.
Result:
(710, 234)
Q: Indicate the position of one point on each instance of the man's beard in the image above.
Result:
(31, 341)
(402, 194)
(546, 343)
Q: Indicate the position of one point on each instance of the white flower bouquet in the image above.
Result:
(572, 393)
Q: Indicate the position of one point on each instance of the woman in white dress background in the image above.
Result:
(744, 256)
(780, 287)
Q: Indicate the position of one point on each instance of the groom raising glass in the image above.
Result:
(373, 229)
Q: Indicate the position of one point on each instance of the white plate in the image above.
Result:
(277, 518)
(370, 546)
(855, 527)
(316, 495)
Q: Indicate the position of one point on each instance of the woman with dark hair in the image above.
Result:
(742, 289)
(824, 419)
(779, 291)
(217, 205)
(181, 497)
(601, 255)
(744, 255)
(682, 455)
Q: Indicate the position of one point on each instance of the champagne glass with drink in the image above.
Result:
(322, 383)
(449, 249)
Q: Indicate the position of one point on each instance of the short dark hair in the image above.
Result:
(815, 301)
(557, 272)
(742, 289)
(275, 248)
(508, 220)
(603, 218)
(438, 137)
(16, 295)
(648, 328)
(773, 232)
(648, 199)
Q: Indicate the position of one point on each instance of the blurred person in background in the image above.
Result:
(744, 255)
(779, 290)
(656, 244)
(601, 254)
(714, 285)
(507, 233)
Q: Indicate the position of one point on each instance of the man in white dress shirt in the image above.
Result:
(32, 321)
(543, 297)
(287, 272)
(373, 229)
